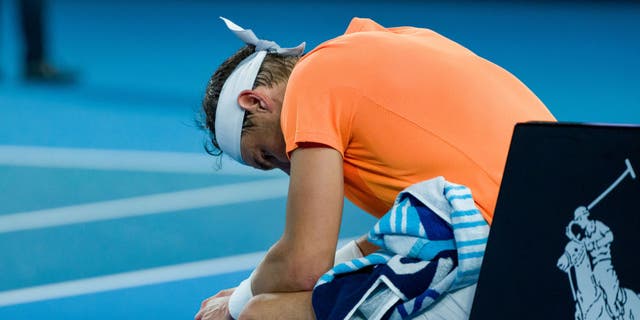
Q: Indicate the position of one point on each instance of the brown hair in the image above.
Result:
(275, 69)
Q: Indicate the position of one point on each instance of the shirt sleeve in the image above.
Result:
(317, 108)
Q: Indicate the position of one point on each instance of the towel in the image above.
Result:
(432, 242)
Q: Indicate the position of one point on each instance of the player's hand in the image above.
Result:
(563, 263)
(215, 307)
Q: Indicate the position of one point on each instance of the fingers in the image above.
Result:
(206, 301)
(199, 314)
(216, 307)
(221, 293)
(213, 313)
(225, 292)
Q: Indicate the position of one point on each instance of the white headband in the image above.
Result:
(229, 114)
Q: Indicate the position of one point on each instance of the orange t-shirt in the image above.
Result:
(403, 105)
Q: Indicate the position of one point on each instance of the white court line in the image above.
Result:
(145, 205)
(136, 278)
(131, 160)
(131, 279)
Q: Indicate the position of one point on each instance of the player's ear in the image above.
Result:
(250, 100)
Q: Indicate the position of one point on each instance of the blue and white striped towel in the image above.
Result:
(432, 242)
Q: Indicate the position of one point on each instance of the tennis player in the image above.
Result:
(364, 116)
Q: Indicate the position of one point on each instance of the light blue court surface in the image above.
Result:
(109, 208)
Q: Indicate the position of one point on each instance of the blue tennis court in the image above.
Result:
(109, 206)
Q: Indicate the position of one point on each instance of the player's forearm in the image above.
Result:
(607, 239)
(288, 269)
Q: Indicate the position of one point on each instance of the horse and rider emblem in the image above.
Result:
(587, 260)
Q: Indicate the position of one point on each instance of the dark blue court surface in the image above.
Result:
(109, 208)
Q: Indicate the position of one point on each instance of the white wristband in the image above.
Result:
(348, 252)
(240, 297)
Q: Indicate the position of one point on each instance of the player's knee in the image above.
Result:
(255, 308)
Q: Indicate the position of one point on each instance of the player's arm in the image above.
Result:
(606, 236)
(314, 210)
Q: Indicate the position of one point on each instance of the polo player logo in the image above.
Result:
(587, 261)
